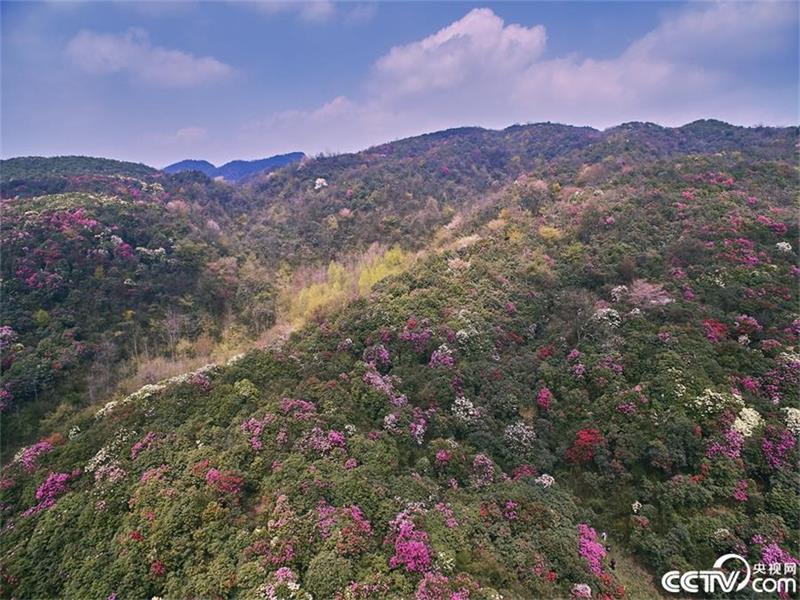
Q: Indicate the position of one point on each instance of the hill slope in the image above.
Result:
(600, 334)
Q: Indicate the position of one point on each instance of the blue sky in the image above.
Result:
(157, 82)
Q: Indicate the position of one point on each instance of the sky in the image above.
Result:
(157, 82)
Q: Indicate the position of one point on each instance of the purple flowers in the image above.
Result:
(300, 410)
(746, 324)
(31, 453)
(740, 492)
(510, 510)
(590, 549)
(730, 448)
(418, 336)
(410, 545)
(776, 446)
(254, 427)
(323, 443)
(47, 493)
(442, 357)
(200, 381)
(385, 385)
(143, 444)
(377, 355)
(447, 513)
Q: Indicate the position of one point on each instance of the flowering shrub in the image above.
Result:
(416, 334)
(740, 492)
(747, 421)
(609, 316)
(793, 420)
(590, 549)
(545, 480)
(519, 436)
(581, 591)
(482, 470)
(110, 472)
(224, 482)
(411, 550)
(28, 457)
(776, 446)
(730, 446)
(544, 398)
(465, 411)
(143, 444)
(714, 330)
(584, 446)
(377, 355)
(50, 489)
(442, 357)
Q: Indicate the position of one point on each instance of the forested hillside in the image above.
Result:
(506, 343)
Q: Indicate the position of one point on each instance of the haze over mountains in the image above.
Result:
(236, 170)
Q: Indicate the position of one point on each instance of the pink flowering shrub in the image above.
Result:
(448, 515)
(510, 510)
(442, 357)
(110, 472)
(254, 428)
(386, 385)
(224, 482)
(730, 446)
(746, 324)
(377, 355)
(30, 455)
(417, 334)
(143, 444)
(201, 381)
(590, 549)
(776, 446)
(714, 330)
(411, 550)
(544, 398)
(154, 474)
(740, 492)
(50, 489)
(299, 410)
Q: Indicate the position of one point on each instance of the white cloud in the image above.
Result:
(474, 48)
(131, 52)
(482, 71)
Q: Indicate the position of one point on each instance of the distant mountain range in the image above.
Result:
(236, 170)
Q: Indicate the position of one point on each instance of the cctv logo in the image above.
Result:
(735, 579)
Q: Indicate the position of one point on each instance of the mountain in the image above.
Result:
(236, 170)
(32, 167)
(506, 345)
(203, 166)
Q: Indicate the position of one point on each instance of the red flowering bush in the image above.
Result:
(584, 446)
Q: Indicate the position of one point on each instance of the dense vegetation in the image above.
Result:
(599, 334)
(36, 167)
